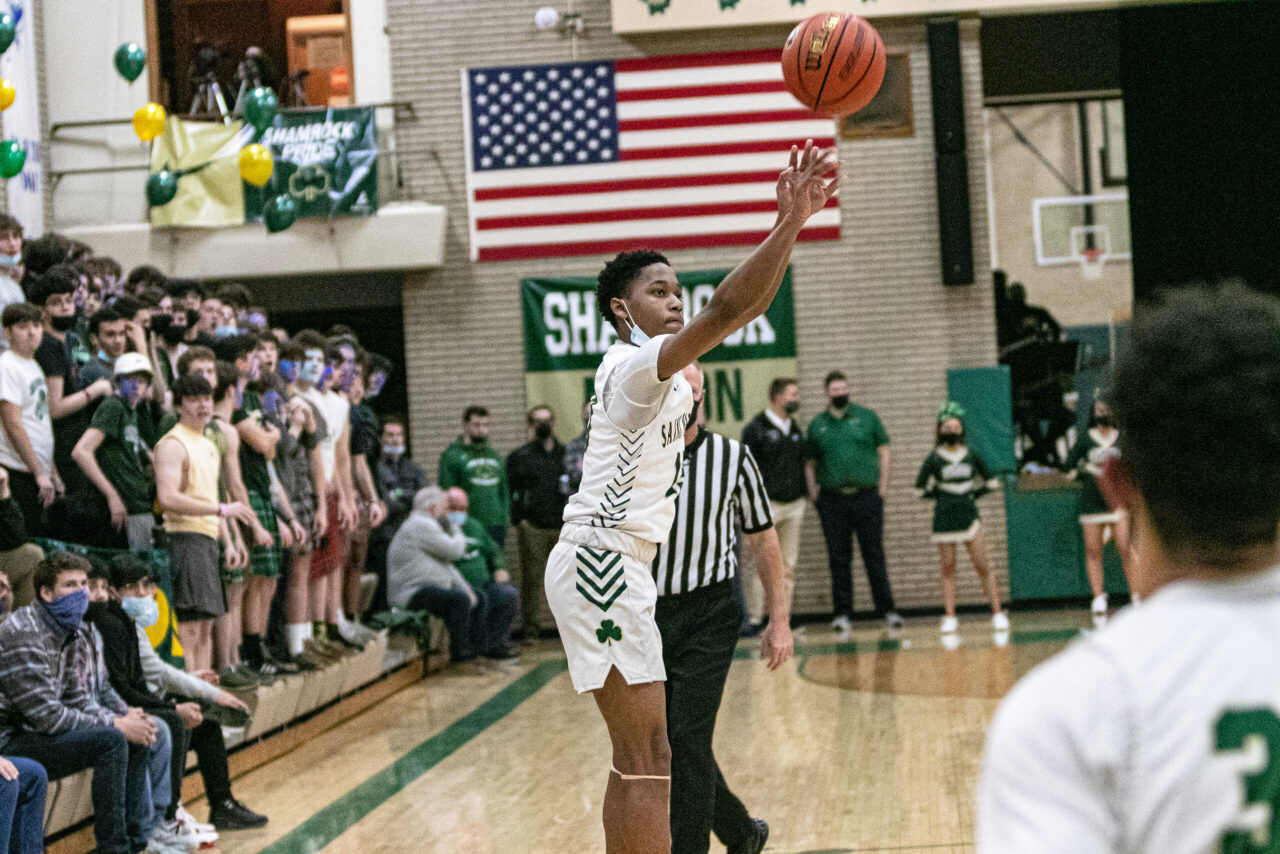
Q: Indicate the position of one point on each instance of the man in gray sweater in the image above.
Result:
(421, 575)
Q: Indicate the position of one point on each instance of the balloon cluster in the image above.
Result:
(12, 155)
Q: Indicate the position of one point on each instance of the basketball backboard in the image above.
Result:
(1086, 230)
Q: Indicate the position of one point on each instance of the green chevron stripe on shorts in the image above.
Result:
(602, 573)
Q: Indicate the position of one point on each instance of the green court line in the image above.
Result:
(748, 650)
(333, 820)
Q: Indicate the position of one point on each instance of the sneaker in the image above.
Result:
(234, 679)
(205, 832)
(233, 815)
(357, 633)
(225, 715)
(842, 625)
(155, 846)
(754, 843)
(894, 620)
(950, 625)
(284, 664)
(310, 660)
(1000, 622)
(323, 651)
(173, 834)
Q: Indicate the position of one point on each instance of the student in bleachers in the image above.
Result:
(399, 479)
(372, 511)
(10, 264)
(43, 253)
(26, 440)
(187, 468)
(115, 453)
(23, 786)
(483, 567)
(108, 338)
(46, 713)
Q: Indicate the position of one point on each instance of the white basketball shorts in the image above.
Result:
(603, 600)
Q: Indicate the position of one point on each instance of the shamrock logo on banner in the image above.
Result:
(608, 632)
(656, 6)
(727, 4)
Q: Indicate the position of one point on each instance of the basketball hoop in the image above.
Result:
(1091, 261)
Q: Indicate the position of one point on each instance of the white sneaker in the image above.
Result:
(841, 625)
(894, 620)
(1000, 622)
(206, 833)
(950, 625)
(167, 841)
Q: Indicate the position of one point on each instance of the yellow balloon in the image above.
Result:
(148, 122)
(7, 94)
(256, 164)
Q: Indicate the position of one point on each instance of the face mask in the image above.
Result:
(193, 317)
(840, 401)
(791, 408)
(393, 450)
(271, 402)
(131, 391)
(104, 358)
(225, 331)
(693, 413)
(542, 430)
(67, 611)
(288, 369)
(951, 439)
(172, 333)
(457, 517)
(10, 260)
(62, 324)
(95, 611)
(638, 336)
(143, 610)
(325, 375)
(478, 440)
(375, 384)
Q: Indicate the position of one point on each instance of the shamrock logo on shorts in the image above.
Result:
(608, 632)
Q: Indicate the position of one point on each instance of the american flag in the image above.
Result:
(668, 152)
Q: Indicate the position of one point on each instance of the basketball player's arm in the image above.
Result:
(777, 645)
(1053, 777)
(803, 190)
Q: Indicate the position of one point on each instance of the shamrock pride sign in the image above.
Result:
(326, 161)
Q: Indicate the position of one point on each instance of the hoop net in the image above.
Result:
(1091, 261)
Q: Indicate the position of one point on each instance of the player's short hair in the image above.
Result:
(834, 376)
(616, 277)
(1195, 396)
(474, 412)
(779, 385)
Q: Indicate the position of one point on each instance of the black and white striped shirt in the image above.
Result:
(721, 485)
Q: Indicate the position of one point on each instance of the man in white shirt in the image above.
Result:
(10, 266)
(26, 440)
(1161, 732)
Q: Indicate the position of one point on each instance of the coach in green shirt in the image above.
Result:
(848, 474)
(472, 464)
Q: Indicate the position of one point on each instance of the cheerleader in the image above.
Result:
(953, 476)
(1085, 462)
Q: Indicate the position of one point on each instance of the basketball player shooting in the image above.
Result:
(598, 580)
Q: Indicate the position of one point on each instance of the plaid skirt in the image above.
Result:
(264, 561)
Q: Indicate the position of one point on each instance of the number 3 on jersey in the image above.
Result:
(1257, 731)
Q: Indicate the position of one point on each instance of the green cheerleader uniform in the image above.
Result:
(954, 477)
(1087, 457)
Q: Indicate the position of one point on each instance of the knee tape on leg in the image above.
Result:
(637, 776)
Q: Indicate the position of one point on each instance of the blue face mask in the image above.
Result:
(143, 610)
(457, 517)
(10, 260)
(225, 331)
(638, 335)
(288, 370)
(67, 611)
(104, 358)
(131, 391)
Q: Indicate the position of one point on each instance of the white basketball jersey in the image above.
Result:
(1160, 733)
(631, 477)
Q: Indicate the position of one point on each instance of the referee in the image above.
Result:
(699, 619)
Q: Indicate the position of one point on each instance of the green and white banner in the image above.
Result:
(565, 337)
(326, 160)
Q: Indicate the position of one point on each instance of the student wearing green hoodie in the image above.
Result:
(473, 465)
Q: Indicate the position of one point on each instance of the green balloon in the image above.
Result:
(162, 186)
(280, 213)
(8, 29)
(12, 158)
(130, 60)
(260, 108)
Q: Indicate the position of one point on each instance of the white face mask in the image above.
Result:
(638, 335)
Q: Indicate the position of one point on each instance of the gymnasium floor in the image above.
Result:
(869, 744)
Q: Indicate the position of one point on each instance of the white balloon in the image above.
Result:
(546, 18)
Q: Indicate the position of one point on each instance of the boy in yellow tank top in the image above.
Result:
(187, 466)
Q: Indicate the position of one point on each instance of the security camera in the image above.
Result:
(546, 18)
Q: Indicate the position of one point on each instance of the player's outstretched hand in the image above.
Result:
(776, 644)
(811, 178)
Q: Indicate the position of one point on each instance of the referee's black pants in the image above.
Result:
(699, 633)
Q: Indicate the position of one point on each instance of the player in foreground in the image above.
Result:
(598, 581)
(1161, 732)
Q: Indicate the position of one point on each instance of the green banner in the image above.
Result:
(565, 337)
(326, 160)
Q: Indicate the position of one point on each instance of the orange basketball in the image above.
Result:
(833, 63)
